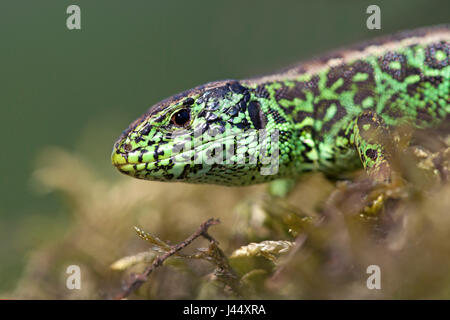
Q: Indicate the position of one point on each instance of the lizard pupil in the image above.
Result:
(180, 118)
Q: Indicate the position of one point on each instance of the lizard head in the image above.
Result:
(209, 134)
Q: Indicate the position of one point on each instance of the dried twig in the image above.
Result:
(136, 280)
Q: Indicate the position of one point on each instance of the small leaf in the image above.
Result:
(267, 249)
(126, 262)
(152, 239)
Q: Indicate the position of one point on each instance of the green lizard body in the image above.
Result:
(332, 114)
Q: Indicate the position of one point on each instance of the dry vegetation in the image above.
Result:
(313, 244)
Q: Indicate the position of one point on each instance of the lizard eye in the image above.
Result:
(181, 118)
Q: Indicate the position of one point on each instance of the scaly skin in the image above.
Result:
(333, 114)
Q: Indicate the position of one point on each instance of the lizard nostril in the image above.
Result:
(127, 147)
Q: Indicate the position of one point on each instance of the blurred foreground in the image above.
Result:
(314, 244)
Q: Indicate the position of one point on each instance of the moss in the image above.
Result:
(315, 243)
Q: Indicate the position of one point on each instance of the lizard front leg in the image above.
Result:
(373, 140)
(377, 148)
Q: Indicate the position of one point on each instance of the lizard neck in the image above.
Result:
(314, 103)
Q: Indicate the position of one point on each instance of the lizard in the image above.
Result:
(333, 113)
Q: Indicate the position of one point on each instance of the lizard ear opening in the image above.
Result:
(256, 115)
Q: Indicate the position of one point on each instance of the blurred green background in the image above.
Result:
(79, 89)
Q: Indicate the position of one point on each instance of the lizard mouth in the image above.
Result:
(176, 164)
(122, 163)
(128, 164)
